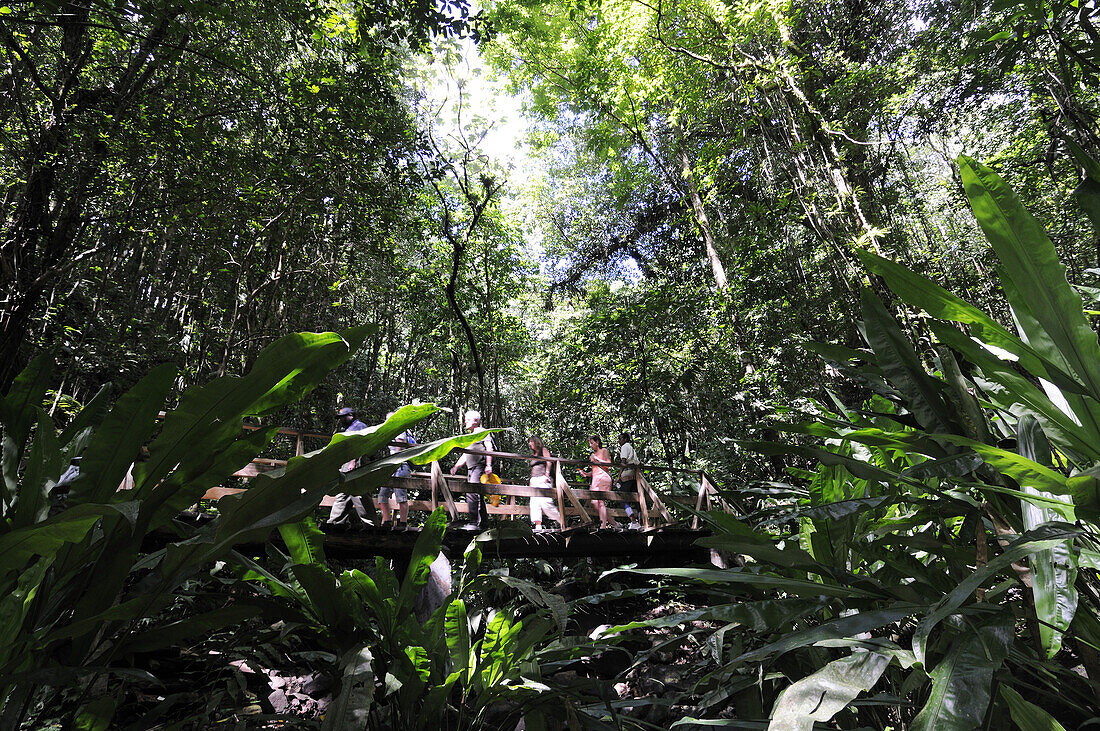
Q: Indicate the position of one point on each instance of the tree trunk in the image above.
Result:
(716, 266)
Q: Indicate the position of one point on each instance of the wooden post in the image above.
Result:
(712, 493)
(563, 487)
(558, 483)
(703, 495)
(642, 483)
(299, 447)
(440, 482)
(641, 501)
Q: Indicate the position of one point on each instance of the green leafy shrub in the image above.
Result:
(83, 593)
(941, 554)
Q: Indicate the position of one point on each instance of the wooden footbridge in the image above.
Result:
(666, 529)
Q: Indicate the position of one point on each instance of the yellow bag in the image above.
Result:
(491, 479)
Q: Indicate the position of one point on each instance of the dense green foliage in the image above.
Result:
(80, 583)
(716, 193)
(879, 571)
(737, 157)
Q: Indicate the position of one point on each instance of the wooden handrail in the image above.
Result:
(290, 432)
(300, 434)
(566, 461)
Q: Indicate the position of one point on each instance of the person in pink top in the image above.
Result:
(601, 478)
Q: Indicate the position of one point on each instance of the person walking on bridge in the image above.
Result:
(349, 509)
(404, 440)
(628, 475)
(541, 470)
(477, 463)
(601, 479)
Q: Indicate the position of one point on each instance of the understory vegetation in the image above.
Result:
(839, 257)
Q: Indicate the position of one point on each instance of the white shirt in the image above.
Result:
(630, 457)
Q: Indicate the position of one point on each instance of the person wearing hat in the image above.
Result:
(348, 509)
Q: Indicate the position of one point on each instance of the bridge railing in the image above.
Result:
(435, 487)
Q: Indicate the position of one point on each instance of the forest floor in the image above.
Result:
(656, 666)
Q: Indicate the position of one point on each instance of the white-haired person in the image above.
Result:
(477, 463)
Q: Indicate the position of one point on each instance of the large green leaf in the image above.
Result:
(797, 587)
(962, 398)
(424, 552)
(291, 493)
(175, 633)
(1026, 715)
(209, 416)
(736, 537)
(432, 703)
(924, 395)
(1046, 537)
(820, 696)
(538, 596)
(323, 590)
(96, 716)
(46, 538)
(44, 465)
(19, 405)
(457, 629)
(1088, 192)
(367, 590)
(1016, 466)
(761, 616)
(135, 608)
(839, 628)
(1054, 571)
(181, 489)
(909, 441)
(352, 705)
(15, 607)
(535, 631)
(250, 570)
(1086, 161)
(1014, 393)
(305, 541)
(494, 650)
(1084, 408)
(115, 444)
(1063, 509)
(1030, 262)
(921, 292)
(90, 417)
(962, 680)
(112, 449)
(321, 356)
(18, 411)
(857, 467)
